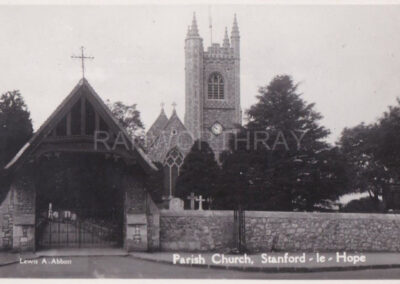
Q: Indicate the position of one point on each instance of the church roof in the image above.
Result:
(157, 126)
(174, 119)
(170, 136)
(62, 110)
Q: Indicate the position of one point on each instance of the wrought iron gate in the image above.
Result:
(51, 233)
(240, 230)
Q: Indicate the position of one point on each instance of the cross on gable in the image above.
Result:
(82, 57)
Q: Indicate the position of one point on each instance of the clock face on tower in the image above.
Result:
(217, 128)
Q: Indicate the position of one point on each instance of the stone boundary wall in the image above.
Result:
(196, 230)
(301, 231)
(280, 231)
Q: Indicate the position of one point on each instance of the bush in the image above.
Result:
(364, 205)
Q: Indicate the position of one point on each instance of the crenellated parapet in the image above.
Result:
(219, 52)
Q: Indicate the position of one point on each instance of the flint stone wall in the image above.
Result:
(196, 230)
(280, 231)
(300, 231)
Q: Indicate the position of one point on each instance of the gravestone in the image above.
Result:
(73, 216)
(200, 200)
(176, 204)
(209, 200)
(192, 199)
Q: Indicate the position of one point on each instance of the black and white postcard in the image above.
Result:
(172, 140)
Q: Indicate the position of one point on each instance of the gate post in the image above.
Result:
(24, 195)
(135, 238)
(239, 221)
(242, 231)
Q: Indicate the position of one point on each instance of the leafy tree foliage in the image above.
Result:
(361, 144)
(199, 172)
(129, 117)
(15, 125)
(280, 109)
(387, 140)
(279, 160)
(372, 151)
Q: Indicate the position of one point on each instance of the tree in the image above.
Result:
(199, 172)
(387, 140)
(373, 153)
(15, 125)
(361, 145)
(285, 162)
(129, 117)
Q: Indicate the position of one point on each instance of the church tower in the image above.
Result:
(194, 80)
(212, 77)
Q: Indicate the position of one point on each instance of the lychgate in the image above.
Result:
(66, 190)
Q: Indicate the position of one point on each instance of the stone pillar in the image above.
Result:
(24, 195)
(153, 225)
(6, 221)
(135, 238)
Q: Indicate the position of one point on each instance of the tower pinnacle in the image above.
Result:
(226, 39)
(188, 31)
(235, 28)
(194, 31)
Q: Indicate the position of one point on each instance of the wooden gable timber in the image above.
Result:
(86, 94)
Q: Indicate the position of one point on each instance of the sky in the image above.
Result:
(345, 57)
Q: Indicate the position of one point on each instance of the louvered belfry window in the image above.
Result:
(216, 87)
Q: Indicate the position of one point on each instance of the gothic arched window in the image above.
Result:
(216, 87)
(172, 164)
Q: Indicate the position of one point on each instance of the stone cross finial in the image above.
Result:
(174, 108)
(162, 105)
(192, 198)
(200, 200)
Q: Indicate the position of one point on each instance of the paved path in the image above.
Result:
(129, 267)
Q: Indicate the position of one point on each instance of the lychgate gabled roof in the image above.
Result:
(72, 127)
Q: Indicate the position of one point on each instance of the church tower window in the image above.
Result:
(216, 87)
